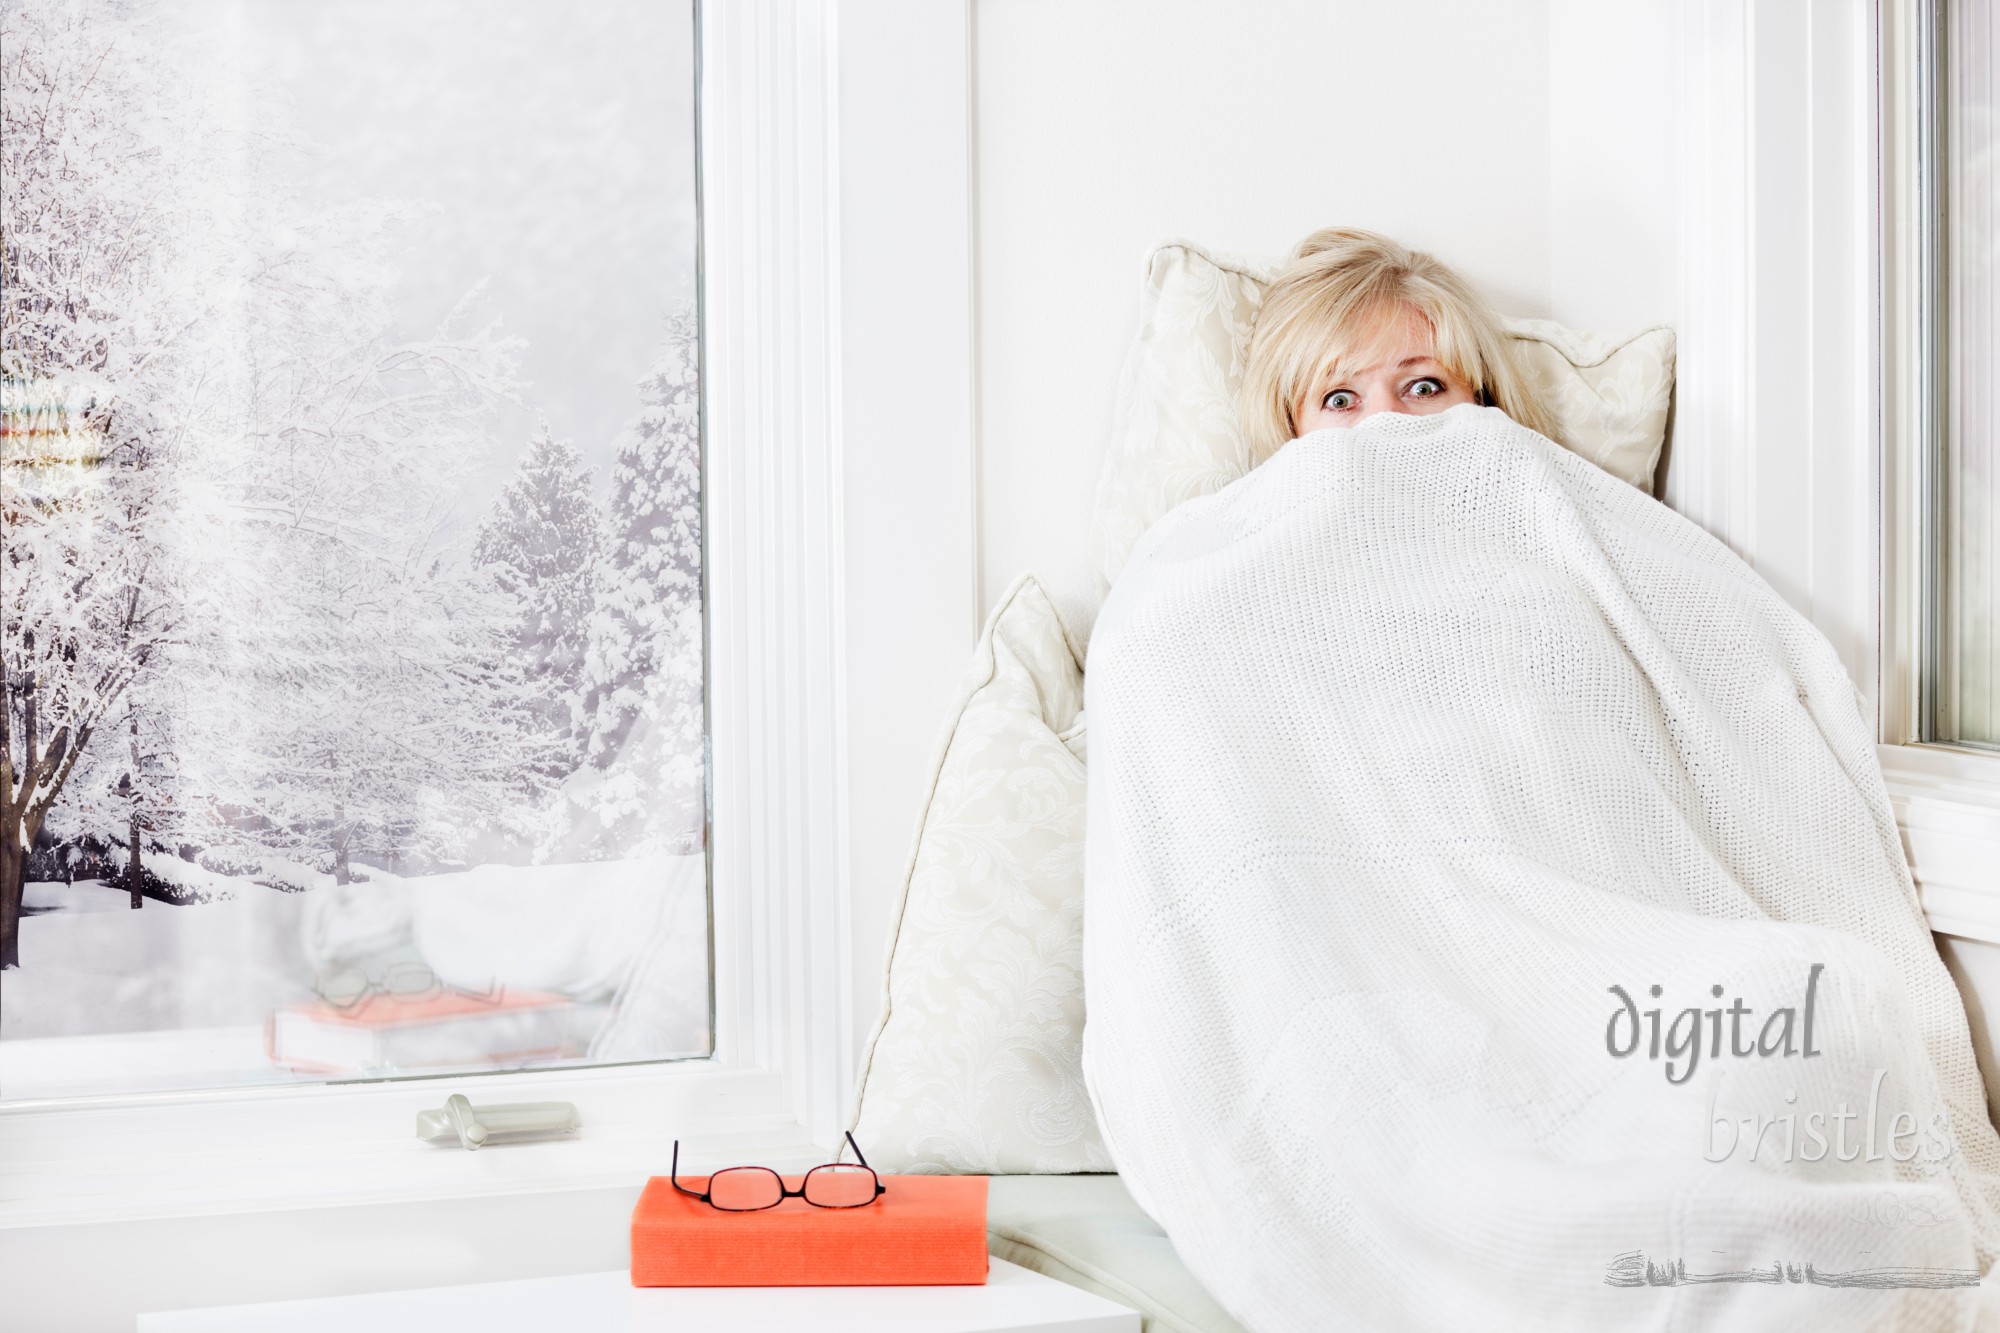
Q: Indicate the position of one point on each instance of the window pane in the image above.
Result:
(352, 555)
(1966, 669)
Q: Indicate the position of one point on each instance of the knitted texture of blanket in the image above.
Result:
(1495, 917)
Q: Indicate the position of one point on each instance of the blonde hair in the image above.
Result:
(1336, 300)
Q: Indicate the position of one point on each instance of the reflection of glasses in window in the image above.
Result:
(748, 1189)
(348, 987)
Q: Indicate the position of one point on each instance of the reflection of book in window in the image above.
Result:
(388, 1032)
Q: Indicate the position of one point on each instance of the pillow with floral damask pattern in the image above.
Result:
(1177, 433)
(975, 1064)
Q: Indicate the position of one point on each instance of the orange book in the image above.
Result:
(926, 1231)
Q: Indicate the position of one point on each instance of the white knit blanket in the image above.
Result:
(1406, 750)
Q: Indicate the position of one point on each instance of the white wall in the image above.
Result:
(912, 602)
(1612, 158)
(1528, 142)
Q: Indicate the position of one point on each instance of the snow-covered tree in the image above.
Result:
(87, 617)
(242, 548)
(642, 786)
(359, 696)
(103, 252)
(541, 543)
(125, 802)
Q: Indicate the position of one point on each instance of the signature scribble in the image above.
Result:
(1633, 1269)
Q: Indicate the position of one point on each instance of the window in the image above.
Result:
(836, 425)
(1960, 679)
(350, 542)
(1931, 474)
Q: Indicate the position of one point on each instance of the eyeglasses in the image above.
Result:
(348, 988)
(747, 1189)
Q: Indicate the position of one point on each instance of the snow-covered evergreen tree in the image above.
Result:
(642, 786)
(541, 543)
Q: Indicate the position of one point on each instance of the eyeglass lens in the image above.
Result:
(839, 1186)
(745, 1188)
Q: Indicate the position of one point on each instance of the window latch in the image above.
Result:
(461, 1122)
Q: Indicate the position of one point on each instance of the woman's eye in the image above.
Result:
(1340, 400)
(1425, 388)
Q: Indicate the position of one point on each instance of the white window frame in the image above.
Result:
(800, 561)
(1798, 416)
(1947, 797)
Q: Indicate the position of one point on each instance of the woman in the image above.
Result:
(1412, 753)
(1358, 325)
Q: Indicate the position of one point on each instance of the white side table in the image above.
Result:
(1013, 1300)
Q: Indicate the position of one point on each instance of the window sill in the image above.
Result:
(256, 1150)
(1947, 805)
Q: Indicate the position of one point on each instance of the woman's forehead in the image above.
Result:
(1399, 336)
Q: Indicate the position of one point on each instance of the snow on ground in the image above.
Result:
(203, 977)
(215, 964)
(86, 895)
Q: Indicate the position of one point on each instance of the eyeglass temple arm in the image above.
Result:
(880, 1188)
(675, 1175)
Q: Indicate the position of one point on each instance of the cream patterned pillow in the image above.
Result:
(1610, 394)
(1177, 434)
(975, 1063)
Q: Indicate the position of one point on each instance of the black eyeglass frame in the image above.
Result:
(783, 1193)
